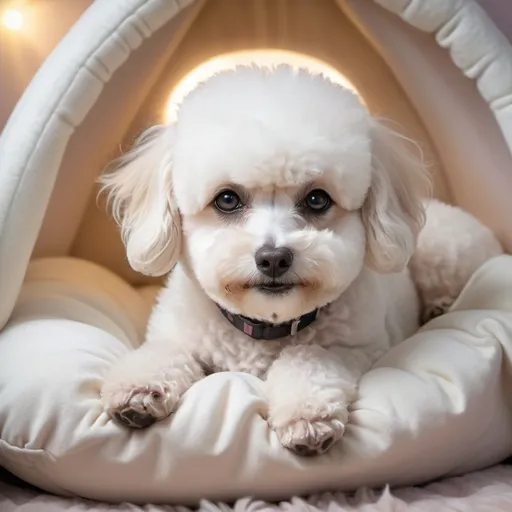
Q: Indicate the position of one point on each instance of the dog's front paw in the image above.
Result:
(138, 406)
(307, 438)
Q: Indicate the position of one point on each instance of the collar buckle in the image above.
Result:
(294, 328)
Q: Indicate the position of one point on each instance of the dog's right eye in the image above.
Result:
(228, 201)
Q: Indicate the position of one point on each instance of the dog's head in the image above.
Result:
(275, 188)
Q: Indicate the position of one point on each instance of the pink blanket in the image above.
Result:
(488, 490)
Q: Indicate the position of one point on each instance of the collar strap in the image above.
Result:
(266, 331)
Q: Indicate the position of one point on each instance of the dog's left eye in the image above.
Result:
(228, 201)
(317, 201)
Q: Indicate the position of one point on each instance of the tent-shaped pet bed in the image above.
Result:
(437, 406)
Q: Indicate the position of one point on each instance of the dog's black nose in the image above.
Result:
(273, 261)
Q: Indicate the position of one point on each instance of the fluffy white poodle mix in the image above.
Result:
(288, 216)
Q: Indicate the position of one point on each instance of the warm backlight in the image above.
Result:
(266, 58)
(12, 19)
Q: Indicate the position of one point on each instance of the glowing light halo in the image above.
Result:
(12, 19)
(264, 58)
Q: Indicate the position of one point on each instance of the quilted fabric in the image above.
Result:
(476, 46)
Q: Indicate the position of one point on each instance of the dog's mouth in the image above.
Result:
(276, 288)
(273, 287)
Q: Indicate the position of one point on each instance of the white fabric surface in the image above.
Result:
(438, 404)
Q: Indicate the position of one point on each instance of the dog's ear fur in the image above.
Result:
(393, 212)
(139, 192)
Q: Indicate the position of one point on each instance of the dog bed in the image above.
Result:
(437, 405)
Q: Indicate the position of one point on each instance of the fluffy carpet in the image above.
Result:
(485, 491)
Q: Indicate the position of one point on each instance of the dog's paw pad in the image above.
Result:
(436, 308)
(308, 438)
(134, 419)
(139, 407)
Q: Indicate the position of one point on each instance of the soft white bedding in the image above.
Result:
(439, 404)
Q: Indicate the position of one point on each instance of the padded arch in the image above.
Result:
(63, 91)
(69, 83)
(460, 110)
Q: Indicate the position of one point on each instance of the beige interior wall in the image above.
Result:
(23, 51)
(97, 140)
(319, 29)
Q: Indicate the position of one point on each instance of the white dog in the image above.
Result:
(288, 216)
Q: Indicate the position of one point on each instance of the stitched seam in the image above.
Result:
(450, 30)
(405, 10)
(476, 70)
(95, 73)
(493, 103)
(502, 102)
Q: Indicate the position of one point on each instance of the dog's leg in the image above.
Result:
(309, 389)
(146, 385)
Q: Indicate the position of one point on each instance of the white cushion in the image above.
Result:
(438, 404)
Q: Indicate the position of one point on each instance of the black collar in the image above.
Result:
(266, 331)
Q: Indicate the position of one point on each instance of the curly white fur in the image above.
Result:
(271, 136)
(450, 247)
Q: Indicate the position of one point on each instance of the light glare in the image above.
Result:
(12, 19)
(264, 58)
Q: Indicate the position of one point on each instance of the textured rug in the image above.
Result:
(485, 491)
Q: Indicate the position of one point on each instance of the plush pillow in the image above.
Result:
(438, 404)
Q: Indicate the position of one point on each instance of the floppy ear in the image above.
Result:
(393, 212)
(139, 192)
